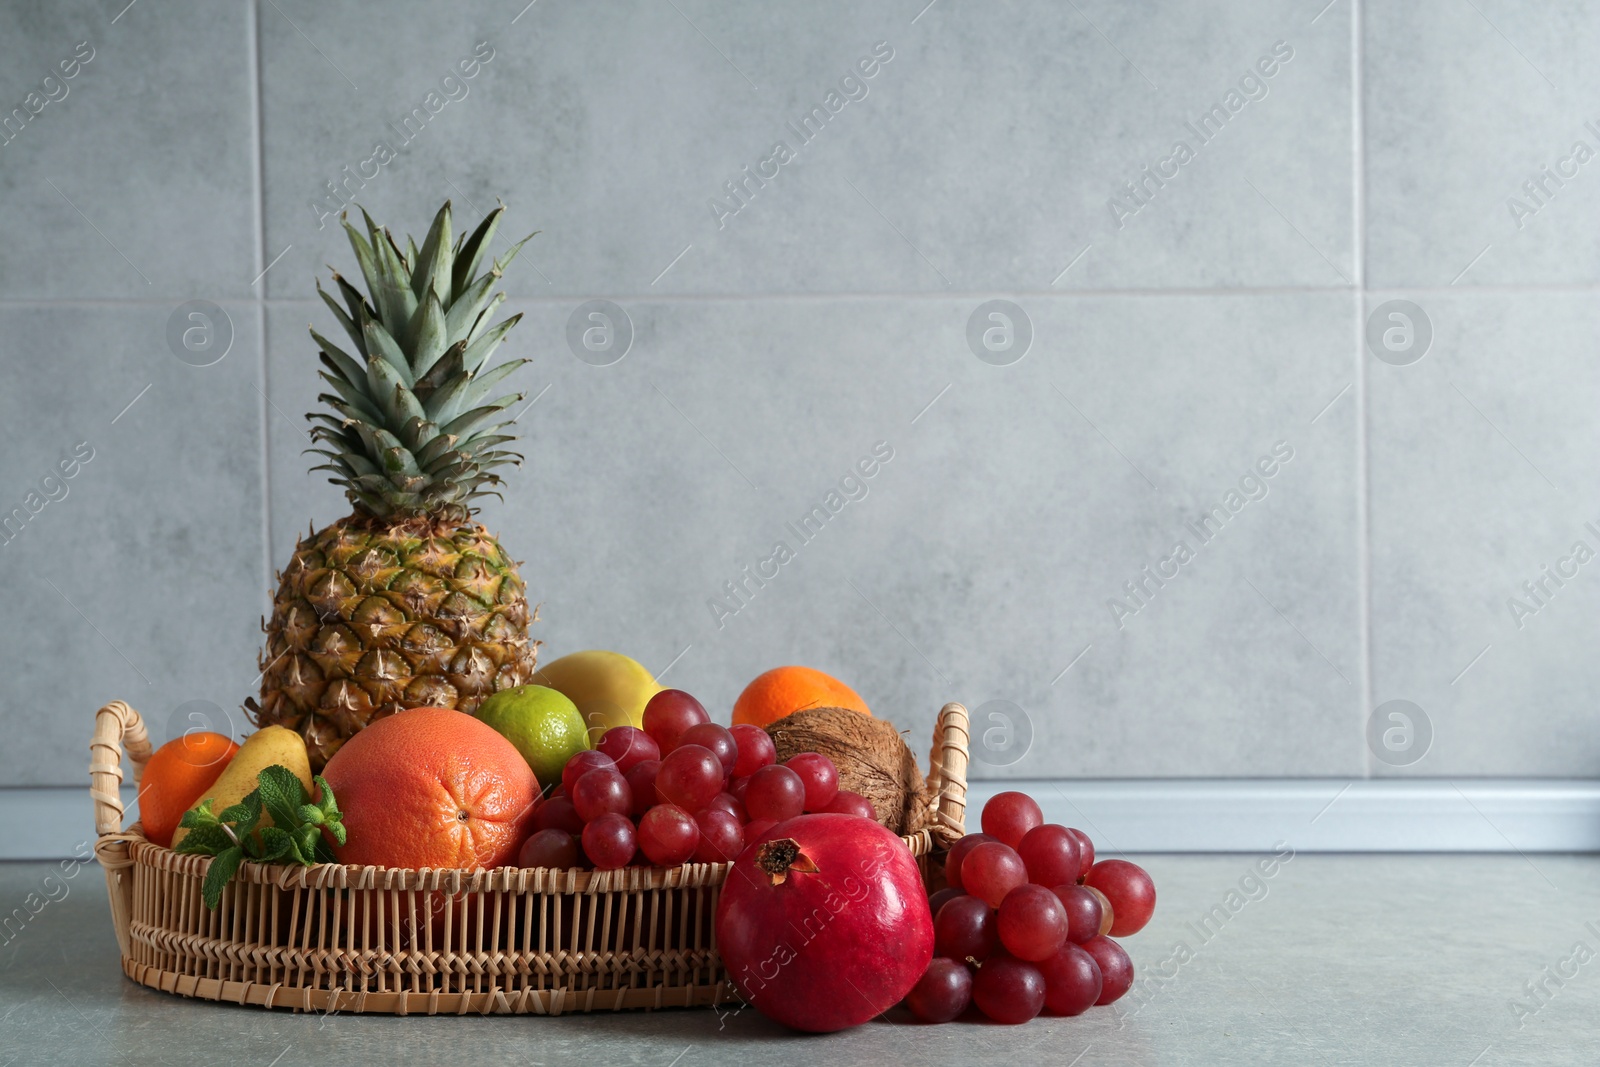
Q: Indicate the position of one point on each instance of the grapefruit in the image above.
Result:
(432, 787)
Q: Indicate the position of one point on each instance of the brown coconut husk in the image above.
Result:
(873, 760)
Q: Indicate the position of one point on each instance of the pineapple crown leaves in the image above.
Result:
(235, 834)
(413, 427)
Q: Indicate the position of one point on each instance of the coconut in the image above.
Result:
(872, 758)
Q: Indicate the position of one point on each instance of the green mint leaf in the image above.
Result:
(285, 844)
(295, 836)
(199, 815)
(325, 800)
(245, 814)
(205, 840)
(281, 794)
(306, 837)
(276, 845)
(332, 817)
(217, 876)
(252, 802)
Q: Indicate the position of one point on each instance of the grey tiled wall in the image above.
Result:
(1181, 345)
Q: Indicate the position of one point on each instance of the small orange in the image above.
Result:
(432, 787)
(785, 690)
(180, 773)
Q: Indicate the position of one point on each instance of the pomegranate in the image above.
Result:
(825, 923)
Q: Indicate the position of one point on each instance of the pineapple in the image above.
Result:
(407, 601)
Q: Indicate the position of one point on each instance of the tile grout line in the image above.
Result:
(253, 43)
(1358, 148)
(863, 296)
(820, 296)
(1358, 189)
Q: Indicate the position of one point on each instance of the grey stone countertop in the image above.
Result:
(1460, 960)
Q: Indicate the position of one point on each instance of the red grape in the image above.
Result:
(642, 783)
(1108, 915)
(690, 777)
(581, 763)
(609, 841)
(1116, 969)
(958, 852)
(1008, 990)
(737, 787)
(628, 746)
(668, 835)
(721, 838)
(755, 829)
(756, 749)
(1083, 912)
(559, 791)
(1130, 890)
(845, 802)
(942, 993)
(557, 813)
(730, 804)
(1010, 815)
(775, 793)
(601, 791)
(1050, 853)
(1071, 981)
(717, 739)
(820, 776)
(965, 927)
(1085, 852)
(941, 898)
(991, 871)
(669, 713)
(549, 848)
(1032, 923)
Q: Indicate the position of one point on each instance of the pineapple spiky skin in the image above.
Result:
(373, 617)
(406, 602)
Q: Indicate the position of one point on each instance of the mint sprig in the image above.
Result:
(236, 834)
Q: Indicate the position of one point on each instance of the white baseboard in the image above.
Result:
(1198, 815)
(1320, 815)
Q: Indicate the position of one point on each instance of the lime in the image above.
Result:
(543, 725)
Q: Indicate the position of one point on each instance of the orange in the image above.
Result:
(180, 773)
(784, 690)
(431, 787)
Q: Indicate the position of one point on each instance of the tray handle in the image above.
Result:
(117, 728)
(947, 774)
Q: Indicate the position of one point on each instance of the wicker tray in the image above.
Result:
(336, 938)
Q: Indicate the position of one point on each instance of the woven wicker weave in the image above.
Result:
(375, 939)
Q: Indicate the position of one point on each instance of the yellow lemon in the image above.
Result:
(610, 689)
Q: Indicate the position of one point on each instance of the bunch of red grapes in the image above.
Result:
(1023, 925)
(683, 789)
